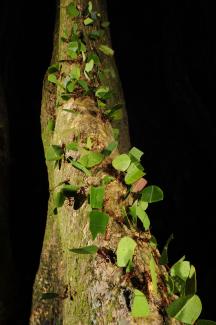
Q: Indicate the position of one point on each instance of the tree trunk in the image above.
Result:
(89, 289)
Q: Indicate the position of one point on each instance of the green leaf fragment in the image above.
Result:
(79, 166)
(72, 10)
(59, 199)
(121, 162)
(181, 269)
(106, 50)
(90, 7)
(52, 78)
(107, 179)
(105, 24)
(125, 251)
(71, 85)
(75, 72)
(91, 159)
(191, 283)
(142, 215)
(135, 153)
(133, 174)
(72, 146)
(54, 152)
(152, 194)
(98, 223)
(185, 309)
(109, 149)
(72, 49)
(205, 322)
(83, 84)
(97, 197)
(54, 68)
(51, 125)
(103, 92)
(92, 249)
(140, 306)
(89, 66)
(164, 256)
(88, 21)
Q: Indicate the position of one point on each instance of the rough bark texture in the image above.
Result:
(90, 289)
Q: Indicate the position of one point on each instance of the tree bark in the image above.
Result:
(89, 289)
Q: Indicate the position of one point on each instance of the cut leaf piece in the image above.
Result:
(205, 322)
(181, 269)
(54, 68)
(91, 159)
(52, 78)
(140, 306)
(88, 21)
(79, 166)
(75, 72)
(72, 10)
(121, 162)
(136, 153)
(59, 199)
(164, 256)
(92, 249)
(103, 92)
(54, 152)
(107, 179)
(51, 125)
(152, 193)
(98, 223)
(125, 251)
(133, 174)
(97, 197)
(89, 66)
(109, 149)
(106, 50)
(191, 283)
(72, 146)
(105, 24)
(83, 84)
(142, 215)
(185, 309)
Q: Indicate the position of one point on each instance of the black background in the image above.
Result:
(166, 57)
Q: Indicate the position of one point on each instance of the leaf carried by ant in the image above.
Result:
(72, 10)
(125, 251)
(140, 306)
(92, 249)
(98, 223)
(97, 197)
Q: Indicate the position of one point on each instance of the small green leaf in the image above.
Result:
(140, 306)
(164, 256)
(103, 92)
(105, 24)
(152, 267)
(49, 295)
(98, 223)
(135, 153)
(109, 149)
(107, 179)
(90, 7)
(83, 84)
(121, 162)
(133, 174)
(106, 50)
(91, 159)
(185, 309)
(132, 211)
(181, 269)
(59, 199)
(116, 133)
(191, 283)
(97, 197)
(205, 322)
(143, 205)
(75, 72)
(92, 249)
(95, 34)
(71, 85)
(69, 190)
(54, 68)
(89, 66)
(142, 215)
(125, 251)
(151, 194)
(88, 21)
(51, 125)
(79, 166)
(72, 146)
(54, 152)
(52, 78)
(88, 143)
(73, 46)
(72, 10)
